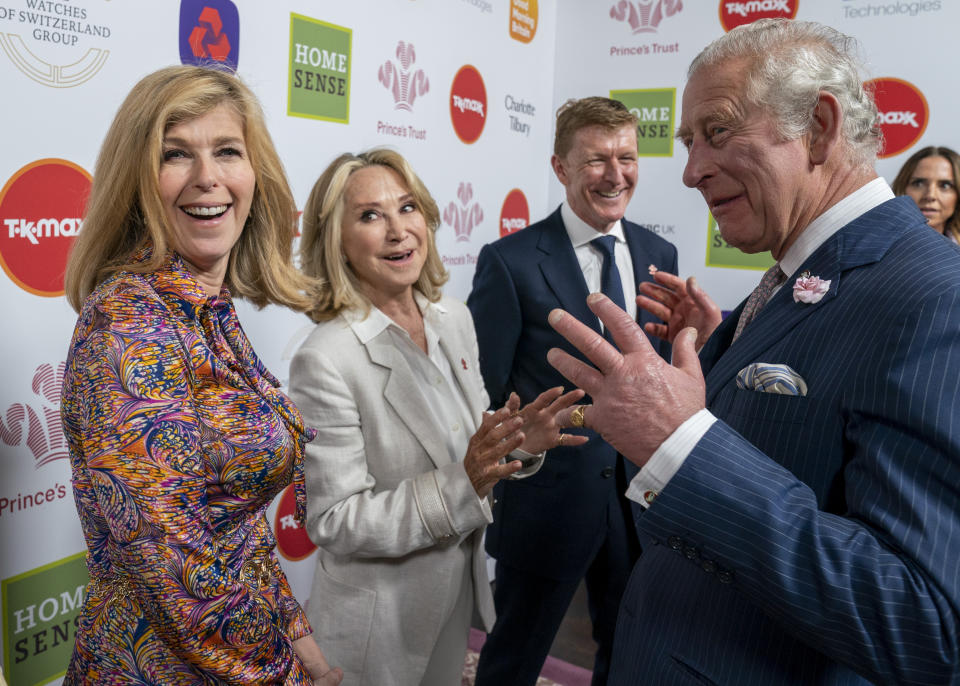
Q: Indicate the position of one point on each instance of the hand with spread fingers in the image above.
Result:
(638, 399)
(498, 435)
(679, 304)
(541, 423)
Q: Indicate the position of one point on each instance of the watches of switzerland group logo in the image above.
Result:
(903, 113)
(41, 210)
(57, 44)
(468, 104)
(734, 13)
(209, 32)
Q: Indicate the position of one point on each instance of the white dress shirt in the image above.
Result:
(591, 259)
(673, 452)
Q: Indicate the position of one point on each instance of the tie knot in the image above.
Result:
(605, 244)
(773, 277)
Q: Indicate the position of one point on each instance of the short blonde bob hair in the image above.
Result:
(125, 214)
(321, 244)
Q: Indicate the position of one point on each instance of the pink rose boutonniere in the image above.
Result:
(809, 289)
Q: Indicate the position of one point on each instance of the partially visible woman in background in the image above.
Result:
(930, 177)
(179, 437)
(405, 458)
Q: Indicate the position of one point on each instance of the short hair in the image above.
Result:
(951, 227)
(789, 64)
(125, 214)
(321, 243)
(574, 115)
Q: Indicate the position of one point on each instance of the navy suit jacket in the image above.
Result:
(816, 539)
(552, 522)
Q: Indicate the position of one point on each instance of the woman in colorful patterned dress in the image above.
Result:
(406, 456)
(179, 437)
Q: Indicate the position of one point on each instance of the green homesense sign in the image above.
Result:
(40, 610)
(722, 254)
(655, 109)
(320, 58)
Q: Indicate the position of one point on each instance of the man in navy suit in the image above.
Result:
(571, 520)
(802, 478)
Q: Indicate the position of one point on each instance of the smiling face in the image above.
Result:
(599, 173)
(384, 234)
(206, 186)
(756, 185)
(934, 189)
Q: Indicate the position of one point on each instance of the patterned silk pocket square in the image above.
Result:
(771, 378)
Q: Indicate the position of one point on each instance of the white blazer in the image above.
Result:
(386, 504)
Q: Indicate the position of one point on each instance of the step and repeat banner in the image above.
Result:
(465, 89)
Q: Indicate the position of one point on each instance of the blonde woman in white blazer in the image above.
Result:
(405, 456)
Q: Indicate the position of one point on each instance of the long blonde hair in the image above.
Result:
(321, 253)
(124, 213)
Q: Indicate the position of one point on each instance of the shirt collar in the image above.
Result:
(369, 326)
(581, 233)
(862, 200)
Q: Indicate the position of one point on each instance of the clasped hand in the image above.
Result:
(534, 429)
(639, 400)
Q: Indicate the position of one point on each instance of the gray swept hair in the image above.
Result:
(790, 62)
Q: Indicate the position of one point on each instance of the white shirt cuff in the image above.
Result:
(668, 458)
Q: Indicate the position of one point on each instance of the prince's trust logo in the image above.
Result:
(644, 16)
(57, 44)
(38, 426)
(403, 82)
(466, 216)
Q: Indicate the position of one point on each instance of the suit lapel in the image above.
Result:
(562, 271)
(402, 392)
(863, 241)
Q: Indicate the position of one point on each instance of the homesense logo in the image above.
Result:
(319, 86)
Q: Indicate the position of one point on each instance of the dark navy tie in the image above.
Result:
(610, 283)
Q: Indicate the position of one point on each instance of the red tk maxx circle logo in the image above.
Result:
(734, 13)
(41, 211)
(515, 213)
(903, 113)
(292, 541)
(468, 104)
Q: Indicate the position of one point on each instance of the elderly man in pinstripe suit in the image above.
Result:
(802, 478)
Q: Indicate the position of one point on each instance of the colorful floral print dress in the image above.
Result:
(179, 439)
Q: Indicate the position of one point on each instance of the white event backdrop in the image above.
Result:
(407, 81)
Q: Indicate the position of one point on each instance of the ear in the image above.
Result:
(558, 169)
(826, 128)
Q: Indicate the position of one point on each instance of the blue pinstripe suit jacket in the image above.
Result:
(816, 539)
